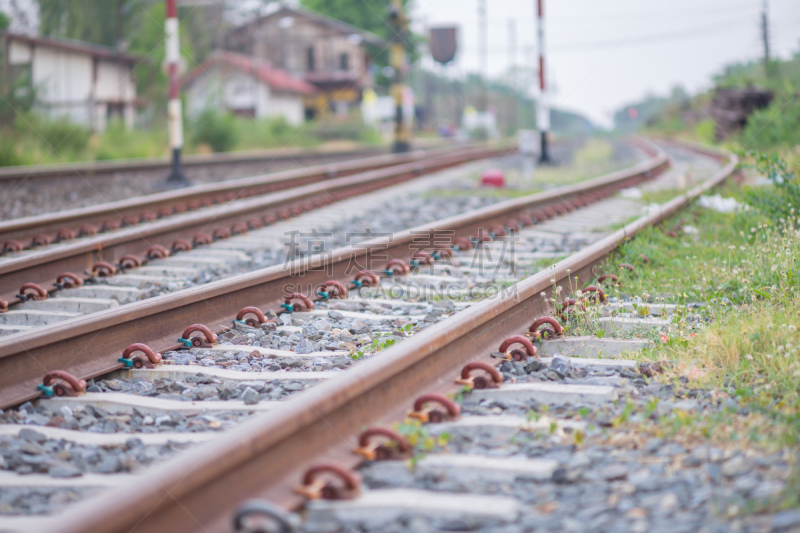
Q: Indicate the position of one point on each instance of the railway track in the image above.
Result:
(191, 163)
(131, 243)
(268, 455)
(32, 232)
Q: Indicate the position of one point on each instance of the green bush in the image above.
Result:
(706, 131)
(351, 128)
(117, 142)
(217, 130)
(60, 136)
(782, 199)
(8, 153)
(775, 125)
(271, 133)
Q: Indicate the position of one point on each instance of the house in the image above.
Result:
(85, 83)
(328, 53)
(246, 86)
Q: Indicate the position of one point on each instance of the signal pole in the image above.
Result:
(765, 36)
(512, 64)
(543, 109)
(174, 111)
(483, 32)
(397, 56)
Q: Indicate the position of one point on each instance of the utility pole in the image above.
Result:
(512, 65)
(483, 33)
(765, 36)
(174, 112)
(543, 109)
(120, 27)
(397, 56)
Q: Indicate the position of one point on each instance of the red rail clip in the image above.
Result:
(68, 280)
(434, 414)
(252, 322)
(396, 447)
(537, 334)
(149, 360)
(480, 382)
(31, 291)
(339, 485)
(205, 340)
(517, 354)
(68, 386)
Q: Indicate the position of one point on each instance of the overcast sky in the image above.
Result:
(603, 54)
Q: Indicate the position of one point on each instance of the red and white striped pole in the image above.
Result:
(542, 108)
(174, 112)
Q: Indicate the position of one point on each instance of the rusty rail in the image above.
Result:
(267, 455)
(92, 168)
(124, 212)
(42, 267)
(81, 345)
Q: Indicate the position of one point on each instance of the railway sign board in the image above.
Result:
(443, 44)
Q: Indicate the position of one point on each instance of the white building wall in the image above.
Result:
(288, 106)
(219, 88)
(114, 82)
(240, 90)
(63, 81)
(66, 86)
(263, 97)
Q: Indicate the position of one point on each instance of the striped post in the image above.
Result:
(542, 108)
(397, 59)
(174, 113)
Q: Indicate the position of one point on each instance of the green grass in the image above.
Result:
(743, 344)
(35, 139)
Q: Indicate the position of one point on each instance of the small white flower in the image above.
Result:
(748, 357)
(792, 327)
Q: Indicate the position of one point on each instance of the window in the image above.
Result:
(344, 61)
(310, 58)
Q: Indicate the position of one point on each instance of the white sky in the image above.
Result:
(603, 54)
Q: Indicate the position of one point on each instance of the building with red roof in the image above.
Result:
(246, 86)
(332, 55)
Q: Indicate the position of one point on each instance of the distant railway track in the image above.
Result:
(190, 163)
(132, 232)
(268, 456)
(36, 231)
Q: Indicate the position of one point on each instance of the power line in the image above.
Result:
(699, 31)
(582, 20)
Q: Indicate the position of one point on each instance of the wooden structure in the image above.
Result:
(328, 53)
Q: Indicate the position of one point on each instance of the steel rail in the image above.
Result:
(85, 345)
(42, 267)
(91, 168)
(23, 230)
(265, 457)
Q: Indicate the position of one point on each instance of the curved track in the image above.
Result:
(266, 456)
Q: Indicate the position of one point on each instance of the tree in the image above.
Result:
(370, 15)
(93, 21)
